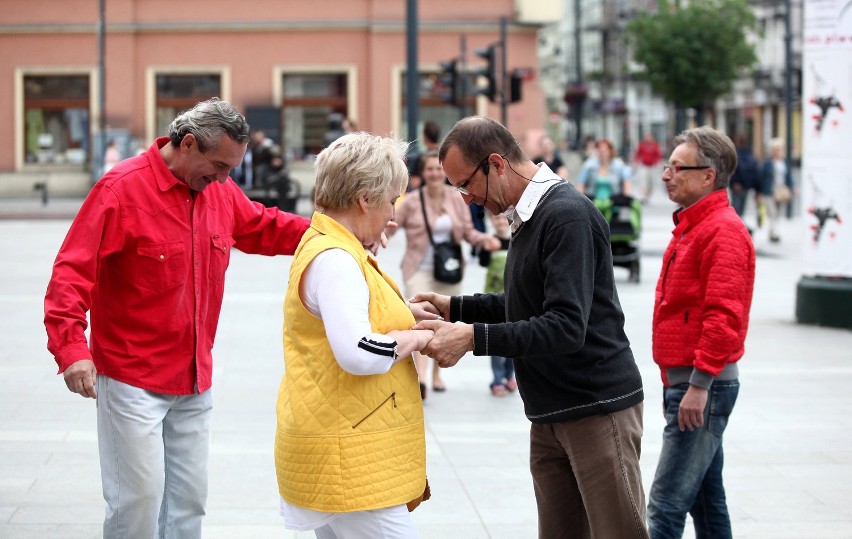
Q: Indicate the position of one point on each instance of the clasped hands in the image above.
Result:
(449, 341)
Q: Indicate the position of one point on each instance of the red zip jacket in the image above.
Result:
(704, 293)
(147, 260)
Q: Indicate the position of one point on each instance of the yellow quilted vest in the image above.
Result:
(345, 442)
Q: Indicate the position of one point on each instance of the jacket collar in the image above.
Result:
(327, 226)
(686, 217)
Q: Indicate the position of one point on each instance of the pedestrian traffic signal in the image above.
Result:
(449, 79)
(489, 72)
(516, 82)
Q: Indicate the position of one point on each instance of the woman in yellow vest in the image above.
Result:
(350, 450)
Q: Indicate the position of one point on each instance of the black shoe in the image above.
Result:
(774, 239)
(422, 391)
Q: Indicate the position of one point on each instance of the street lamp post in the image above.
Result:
(98, 157)
(412, 75)
(788, 95)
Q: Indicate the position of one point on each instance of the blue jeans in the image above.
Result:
(503, 369)
(689, 474)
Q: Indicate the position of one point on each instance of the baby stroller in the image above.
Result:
(624, 215)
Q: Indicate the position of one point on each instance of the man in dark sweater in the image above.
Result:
(561, 320)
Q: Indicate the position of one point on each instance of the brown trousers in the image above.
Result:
(587, 479)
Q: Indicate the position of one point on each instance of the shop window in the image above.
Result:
(56, 119)
(314, 106)
(179, 92)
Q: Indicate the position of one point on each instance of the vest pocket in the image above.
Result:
(391, 398)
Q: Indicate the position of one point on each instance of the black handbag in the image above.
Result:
(447, 255)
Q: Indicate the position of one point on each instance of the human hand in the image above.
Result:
(492, 244)
(450, 342)
(424, 310)
(80, 378)
(389, 230)
(440, 304)
(690, 415)
(408, 341)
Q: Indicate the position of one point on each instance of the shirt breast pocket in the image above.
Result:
(220, 255)
(161, 266)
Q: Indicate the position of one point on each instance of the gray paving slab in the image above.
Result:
(788, 446)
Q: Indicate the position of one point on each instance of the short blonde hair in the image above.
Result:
(776, 143)
(359, 164)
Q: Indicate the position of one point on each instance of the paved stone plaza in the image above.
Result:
(788, 446)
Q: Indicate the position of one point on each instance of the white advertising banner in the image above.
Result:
(826, 183)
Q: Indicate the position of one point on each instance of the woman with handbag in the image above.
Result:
(776, 187)
(350, 452)
(436, 220)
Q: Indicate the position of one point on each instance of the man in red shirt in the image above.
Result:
(701, 312)
(646, 166)
(146, 258)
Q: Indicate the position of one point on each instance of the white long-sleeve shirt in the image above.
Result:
(335, 291)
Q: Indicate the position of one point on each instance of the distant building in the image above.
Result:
(287, 66)
(614, 104)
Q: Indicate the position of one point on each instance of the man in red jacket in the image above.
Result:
(701, 313)
(146, 258)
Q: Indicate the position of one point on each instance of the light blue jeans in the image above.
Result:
(689, 474)
(153, 449)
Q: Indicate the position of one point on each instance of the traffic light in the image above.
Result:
(449, 78)
(489, 71)
(516, 82)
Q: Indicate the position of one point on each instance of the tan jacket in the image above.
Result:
(409, 215)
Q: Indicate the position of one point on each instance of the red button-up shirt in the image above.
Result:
(147, 260)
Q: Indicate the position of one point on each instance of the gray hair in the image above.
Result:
(208, 121)
(776, 143)
(359, 164)
(714, 149)
(477, 137)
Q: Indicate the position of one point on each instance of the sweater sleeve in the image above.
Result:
(487, 308)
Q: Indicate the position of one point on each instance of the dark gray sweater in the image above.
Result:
(559, 317)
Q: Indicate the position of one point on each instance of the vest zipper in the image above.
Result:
(392, 398)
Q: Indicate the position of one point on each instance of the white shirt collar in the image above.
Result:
(543, 180)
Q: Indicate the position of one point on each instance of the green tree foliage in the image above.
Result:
(692, 55)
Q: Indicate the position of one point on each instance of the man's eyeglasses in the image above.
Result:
(462, 188)
(678, 168)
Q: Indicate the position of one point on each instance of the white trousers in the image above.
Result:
(645, 177)
(388, 523)
(773, 213)
(153, 449)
